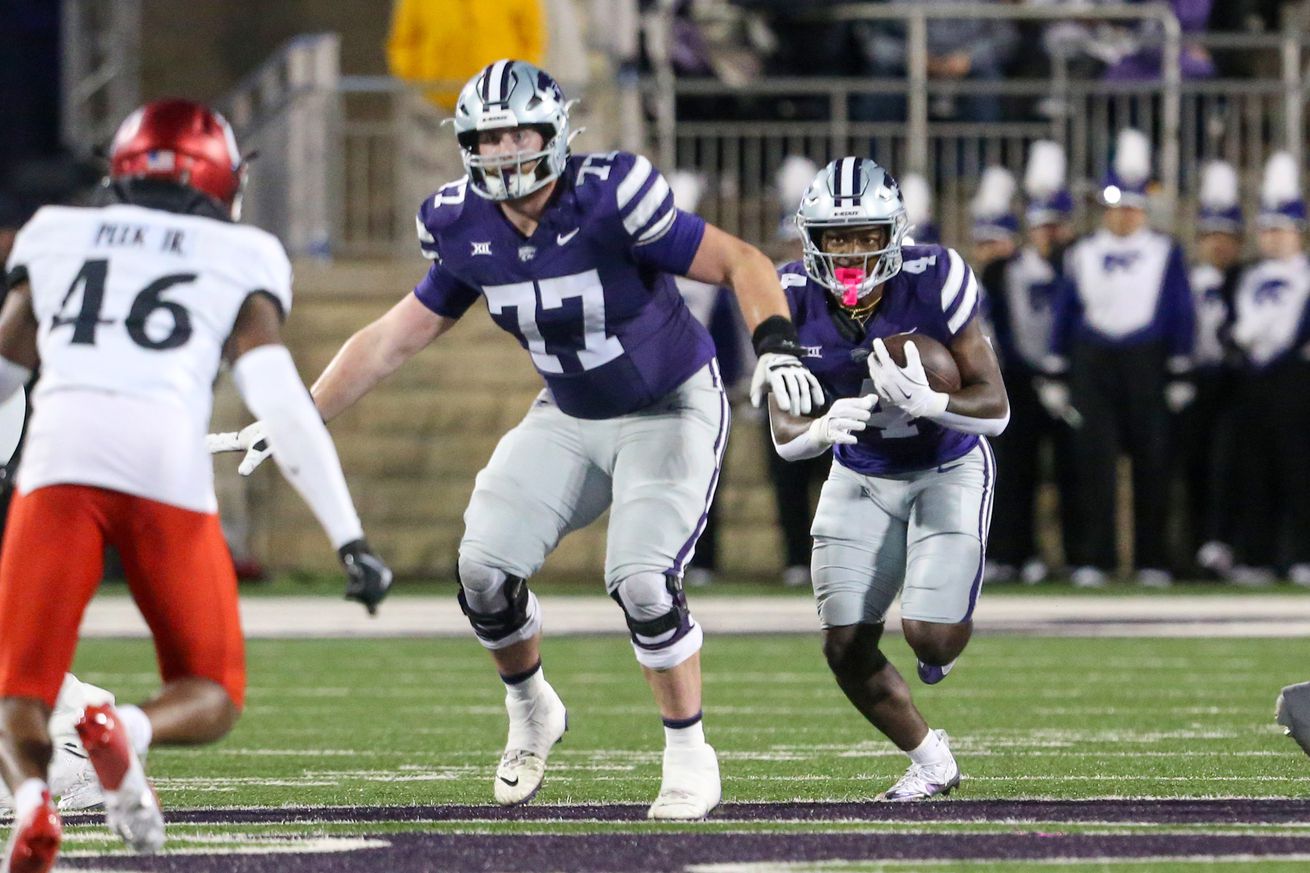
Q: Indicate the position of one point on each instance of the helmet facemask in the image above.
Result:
(510, 94)
(518, 174)
(861, 272)
(852, 194)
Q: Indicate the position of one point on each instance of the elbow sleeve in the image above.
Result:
(969, 424)
(302, 448)
(803, 447)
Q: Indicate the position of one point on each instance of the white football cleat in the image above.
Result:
(923, 781)
(73, 779)
(131, 805)
(534, 727)
(690, 788)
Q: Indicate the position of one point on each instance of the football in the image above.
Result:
(938, 362)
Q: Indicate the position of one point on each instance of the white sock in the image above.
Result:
(139, 729)
(529, 689)
(690, 737)
(931, 751)
(29, 796)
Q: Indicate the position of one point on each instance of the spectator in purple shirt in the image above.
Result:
(1144, 63)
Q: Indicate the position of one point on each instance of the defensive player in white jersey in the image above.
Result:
(72, 779)
(908, 502)
(574, 255)
(128, 308)
(73, 782)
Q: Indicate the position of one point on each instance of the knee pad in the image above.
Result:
(655, 607)
(501, 608)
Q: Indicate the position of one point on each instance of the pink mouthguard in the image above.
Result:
(851, 277)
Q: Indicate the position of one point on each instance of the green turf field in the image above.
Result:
(420, 721)
(334, 721)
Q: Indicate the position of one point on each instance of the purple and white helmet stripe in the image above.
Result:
(845, 179)
(504, 95)
(852, 192)
(495, 82)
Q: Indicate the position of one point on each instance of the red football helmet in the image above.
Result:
(183, 142)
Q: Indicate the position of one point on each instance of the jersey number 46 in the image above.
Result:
(86, 320)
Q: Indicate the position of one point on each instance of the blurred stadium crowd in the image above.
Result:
(1202, 391)
(746, 38)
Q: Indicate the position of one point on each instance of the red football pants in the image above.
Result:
(178, 569)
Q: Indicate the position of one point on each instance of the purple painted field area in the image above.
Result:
(1238, 810)
(658, 853)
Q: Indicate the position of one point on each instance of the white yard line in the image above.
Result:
(1181, 616)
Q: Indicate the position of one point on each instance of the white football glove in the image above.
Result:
(251, 440)
(788, 380)
(847, 417)
(905, 387)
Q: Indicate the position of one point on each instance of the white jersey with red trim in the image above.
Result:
(134, 306)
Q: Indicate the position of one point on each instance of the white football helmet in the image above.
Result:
(852, 192)
(508, 94)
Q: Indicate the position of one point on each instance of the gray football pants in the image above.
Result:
(924, 532)
(655, 470)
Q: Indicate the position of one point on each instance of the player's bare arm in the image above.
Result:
(982, 392)
(259, 323)
(18, 329)
(375, 352)
(722, 259)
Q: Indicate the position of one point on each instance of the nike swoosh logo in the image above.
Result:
(941, 469)
(562, 238)
(507, 782)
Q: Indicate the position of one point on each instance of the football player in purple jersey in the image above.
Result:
(574, 255)
(908, 502)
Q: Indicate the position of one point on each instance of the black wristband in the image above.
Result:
(776, 334)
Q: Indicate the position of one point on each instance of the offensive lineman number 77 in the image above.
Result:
(91, 279)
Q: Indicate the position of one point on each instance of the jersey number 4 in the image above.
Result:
(90, 280)
(894, 423)
(598, 347)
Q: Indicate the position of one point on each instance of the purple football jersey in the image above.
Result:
(590, 293)
(934, 294)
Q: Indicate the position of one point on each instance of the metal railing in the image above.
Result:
(287, 114)
(346, 159)
(1237, 120)
(100, 45)
(1240, 120)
